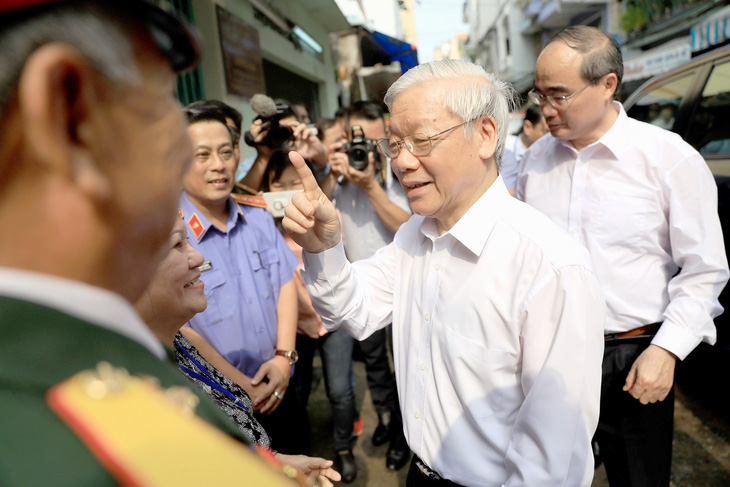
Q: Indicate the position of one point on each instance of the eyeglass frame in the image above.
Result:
(538, 97)
(403, 143)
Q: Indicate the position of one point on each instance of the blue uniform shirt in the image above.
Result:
(251, 261)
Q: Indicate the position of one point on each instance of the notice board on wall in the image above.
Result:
(241, 50)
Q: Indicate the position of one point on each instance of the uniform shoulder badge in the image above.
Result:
(122, 419)
(249, 200)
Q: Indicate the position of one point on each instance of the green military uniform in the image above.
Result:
(41, 347)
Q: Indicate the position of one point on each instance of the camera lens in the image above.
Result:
(358, 158)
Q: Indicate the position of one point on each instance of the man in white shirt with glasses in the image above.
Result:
(497, 315)
(644, 204)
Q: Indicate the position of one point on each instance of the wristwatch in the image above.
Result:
(292, 355)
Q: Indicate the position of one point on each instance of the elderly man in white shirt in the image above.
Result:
(644, 204)
(497, 315)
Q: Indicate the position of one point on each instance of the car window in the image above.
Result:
(710, 132)
(658, 105)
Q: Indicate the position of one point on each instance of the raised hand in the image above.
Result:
(307, 144)
(311, 219)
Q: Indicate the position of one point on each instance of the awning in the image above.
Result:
(711, 31)
(398, 50)
(658, 60)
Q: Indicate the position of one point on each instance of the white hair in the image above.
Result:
(474, 93)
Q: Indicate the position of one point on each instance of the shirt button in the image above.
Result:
(261, 330)
(437, 267)
(576, 197)
(427, 317)
(417, 415)
(422, 367)
(572, 231)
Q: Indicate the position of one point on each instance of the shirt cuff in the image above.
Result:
(322, 265)
(676, 339)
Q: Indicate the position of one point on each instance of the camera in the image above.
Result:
(359, 148)
(279, 137)
(277, 201)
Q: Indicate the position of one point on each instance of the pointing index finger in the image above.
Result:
(305, 174)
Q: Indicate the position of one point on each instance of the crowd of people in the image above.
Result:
(160, 324)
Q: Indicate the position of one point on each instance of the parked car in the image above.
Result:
(693, 100)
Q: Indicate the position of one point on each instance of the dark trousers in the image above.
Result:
(381, 380)
(335, 349)
(634, 440)
(288, 426)
(416, 478)
(301, 381)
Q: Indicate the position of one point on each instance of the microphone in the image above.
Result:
(263, 105)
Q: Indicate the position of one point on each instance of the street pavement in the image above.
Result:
(701, 452)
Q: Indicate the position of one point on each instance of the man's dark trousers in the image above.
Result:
(635, 440)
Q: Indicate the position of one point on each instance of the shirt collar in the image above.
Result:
(92, 304)
(473, 229)
(614, 139)
(195, 219)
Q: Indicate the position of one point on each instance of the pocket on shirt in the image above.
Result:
(265, 266)
(217, 310)
(621, 220)
(482, 378)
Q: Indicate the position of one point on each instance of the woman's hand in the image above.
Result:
(313, 467)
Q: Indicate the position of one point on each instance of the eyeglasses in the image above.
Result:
(557, 101)
(417, 144)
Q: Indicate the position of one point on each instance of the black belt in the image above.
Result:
(640, 332)
(430, 476)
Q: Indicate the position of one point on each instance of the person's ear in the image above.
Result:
(486, 131)
(59, 100)
(610, 84)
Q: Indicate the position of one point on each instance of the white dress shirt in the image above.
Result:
(644, 204)
(362, 229)
(514, 150)
(92, 304)
(497, 337)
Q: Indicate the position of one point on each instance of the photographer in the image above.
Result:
(277, 128)
(372, 187)
(373, 207)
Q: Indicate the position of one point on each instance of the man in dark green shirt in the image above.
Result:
(93, 147)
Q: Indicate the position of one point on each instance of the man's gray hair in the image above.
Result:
(86, 26)
(601, 53)
(473, 93)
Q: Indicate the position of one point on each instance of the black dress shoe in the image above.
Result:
(381, 436)
(398, 453)
(345, 464)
